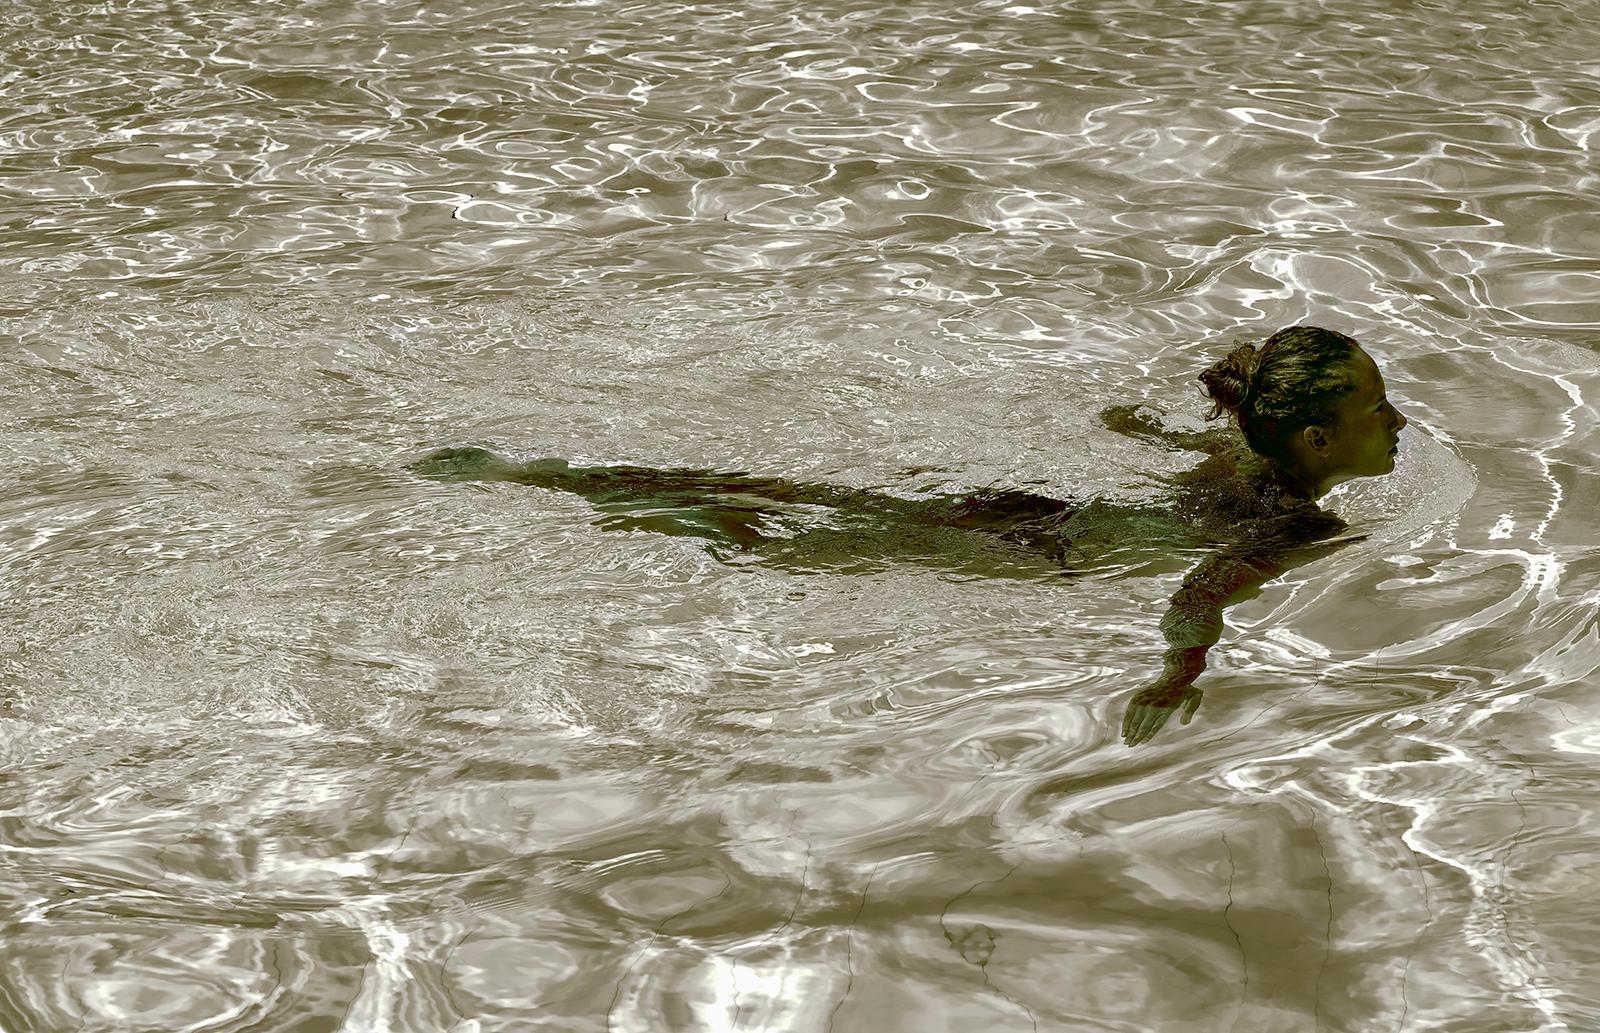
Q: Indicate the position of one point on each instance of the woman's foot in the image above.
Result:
(469, 463)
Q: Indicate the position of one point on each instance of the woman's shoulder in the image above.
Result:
(1230, 484)
(1237, 496)
(1295, 526)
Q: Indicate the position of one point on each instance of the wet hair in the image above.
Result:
(1295, 380)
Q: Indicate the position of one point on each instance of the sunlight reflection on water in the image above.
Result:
(297, 739)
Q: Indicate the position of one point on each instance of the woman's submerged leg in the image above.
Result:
(794, 525)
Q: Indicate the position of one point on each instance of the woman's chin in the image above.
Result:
(1378, 467)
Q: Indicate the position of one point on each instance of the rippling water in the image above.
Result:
(297, 740)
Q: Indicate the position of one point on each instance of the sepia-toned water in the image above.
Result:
(295, 739)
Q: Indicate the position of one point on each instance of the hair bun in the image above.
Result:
(1228, 383)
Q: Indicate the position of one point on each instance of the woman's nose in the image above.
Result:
(1399, 421)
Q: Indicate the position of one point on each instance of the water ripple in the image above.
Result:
(294, 738)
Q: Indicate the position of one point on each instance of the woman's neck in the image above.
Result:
(1298, 483)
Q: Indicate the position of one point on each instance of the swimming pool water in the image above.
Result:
(296, 739)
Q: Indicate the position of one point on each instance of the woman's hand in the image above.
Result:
(1150, 708)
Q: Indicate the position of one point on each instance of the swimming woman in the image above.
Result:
(1312, 411)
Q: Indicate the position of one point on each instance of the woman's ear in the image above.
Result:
(1316, 439)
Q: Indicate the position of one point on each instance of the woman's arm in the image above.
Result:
(1134, 422)
(1193, 621)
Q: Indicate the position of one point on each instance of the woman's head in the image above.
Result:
(1311, 401)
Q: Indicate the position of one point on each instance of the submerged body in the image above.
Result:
(812, 527)
(1314, 412)
(1231, 512)
(1258, 526)
(1308, 416)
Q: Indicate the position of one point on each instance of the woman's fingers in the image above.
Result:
(1130, 720)
(1142, 722)
(1133, 725)
(1191, 705)
(1155, 717)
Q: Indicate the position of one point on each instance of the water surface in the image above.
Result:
(296, 739)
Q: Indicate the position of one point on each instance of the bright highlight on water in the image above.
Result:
(809, 393)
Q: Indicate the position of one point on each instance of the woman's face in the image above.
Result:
(1365, 437)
